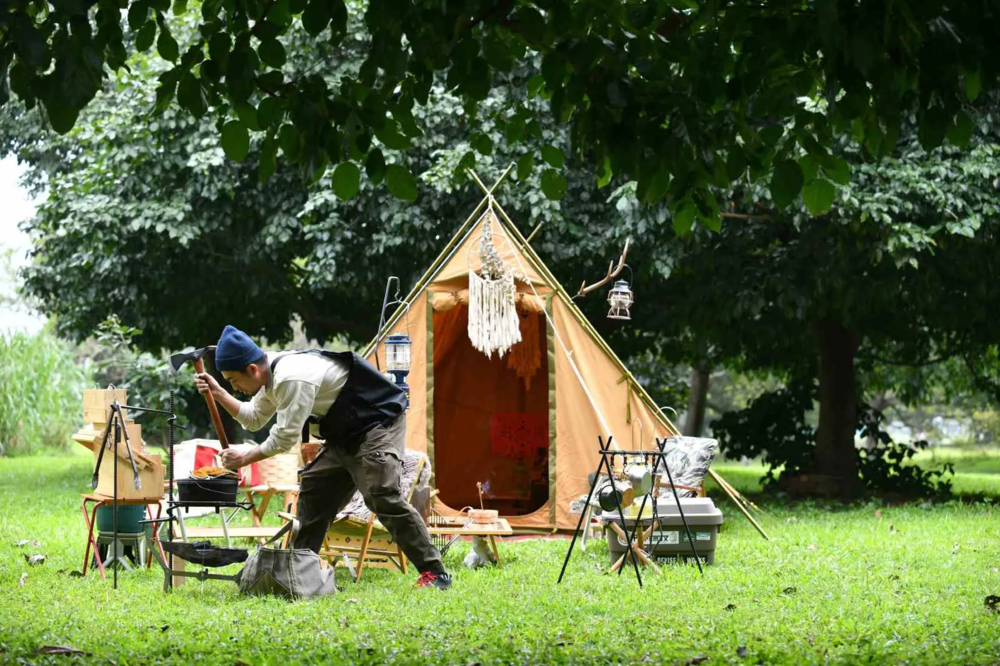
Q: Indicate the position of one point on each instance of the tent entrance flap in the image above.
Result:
(491, 417)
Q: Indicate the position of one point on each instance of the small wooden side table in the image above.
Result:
(456, 525)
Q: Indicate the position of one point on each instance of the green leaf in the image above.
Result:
(713, 222)
(553, 184)
(391, 137)
(401, 182)
(604, 173)
(482, 143)
(316, 16)
(514, 131)
(166, 45)
(346, 180)
(61, 115)
(191, 96)
(809, 166)
(269, 112)
(137, 15)
(524, 166)
(973, 85)
(247, 115)
(218, 48)
(818, 195)
(684, 218)
(144, 38)
(553, 156)
(770, 135)
(960, 132)
(478, 81)
(786, 182)
(838, 171)
(289, 138)
(235, 140)
(375, 166)
(934, 124)
(272, 53)
(657, 187)
(535, 84)
(180, 7)
(268, 159)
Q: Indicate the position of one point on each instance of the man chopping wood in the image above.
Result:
(359, 414)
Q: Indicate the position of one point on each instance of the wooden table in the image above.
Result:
(266, 492)
(456, 525)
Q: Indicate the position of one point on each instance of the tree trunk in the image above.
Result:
(694, 422)
(835, 453)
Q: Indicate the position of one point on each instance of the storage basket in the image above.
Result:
(280, 470)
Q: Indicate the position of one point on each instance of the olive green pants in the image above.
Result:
(328, 483)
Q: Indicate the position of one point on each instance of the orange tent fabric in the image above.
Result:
(472, 414)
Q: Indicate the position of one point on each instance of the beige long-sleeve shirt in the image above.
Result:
(301, 386)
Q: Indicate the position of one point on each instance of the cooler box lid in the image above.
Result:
(698, 510)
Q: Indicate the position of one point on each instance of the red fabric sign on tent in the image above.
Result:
(518, 435)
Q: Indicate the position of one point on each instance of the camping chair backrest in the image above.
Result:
(415, 478)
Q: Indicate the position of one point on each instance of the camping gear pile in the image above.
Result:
(660, 529)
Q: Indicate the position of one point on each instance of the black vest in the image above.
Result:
(368, 399)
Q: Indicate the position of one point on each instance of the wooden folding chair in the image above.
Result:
(366, 540)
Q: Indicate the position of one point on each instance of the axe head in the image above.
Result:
(180, 358)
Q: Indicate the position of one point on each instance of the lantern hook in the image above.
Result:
(386, 304)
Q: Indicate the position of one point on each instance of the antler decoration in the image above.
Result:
(613, 272)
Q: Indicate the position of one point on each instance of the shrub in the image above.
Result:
(40, 392)
(774, 427)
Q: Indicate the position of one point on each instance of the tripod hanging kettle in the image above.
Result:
(610, 497)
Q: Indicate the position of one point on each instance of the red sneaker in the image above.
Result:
(441, 581)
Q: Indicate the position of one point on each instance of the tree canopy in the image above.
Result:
(680, 97)
(147, 217)
(900, 273)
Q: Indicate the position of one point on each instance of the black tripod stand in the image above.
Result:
(607, 460)
(117, 424)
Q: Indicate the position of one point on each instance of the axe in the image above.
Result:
(179, 359)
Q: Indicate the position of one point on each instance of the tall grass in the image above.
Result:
(40, 392)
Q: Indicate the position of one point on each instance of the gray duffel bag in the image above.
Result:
(295, 573)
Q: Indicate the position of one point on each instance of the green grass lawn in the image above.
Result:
(835, 585)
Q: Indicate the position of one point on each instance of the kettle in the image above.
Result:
(641, 478)
(610, 497)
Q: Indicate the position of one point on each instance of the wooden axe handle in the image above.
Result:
(220, 432)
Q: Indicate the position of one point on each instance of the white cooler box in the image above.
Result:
(668, 542)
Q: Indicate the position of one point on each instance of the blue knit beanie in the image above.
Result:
(235, 350)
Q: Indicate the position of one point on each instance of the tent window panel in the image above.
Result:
(491, 417)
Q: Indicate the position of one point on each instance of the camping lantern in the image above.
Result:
(620, 299)
(397, 359)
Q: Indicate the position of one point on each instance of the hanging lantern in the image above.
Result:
(397, 360)
(620, 299)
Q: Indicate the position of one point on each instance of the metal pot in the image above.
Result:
(610, 497)
(641, 478)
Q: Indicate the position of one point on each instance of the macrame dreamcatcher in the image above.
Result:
(493, 321)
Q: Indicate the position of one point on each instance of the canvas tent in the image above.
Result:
(526, 424)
